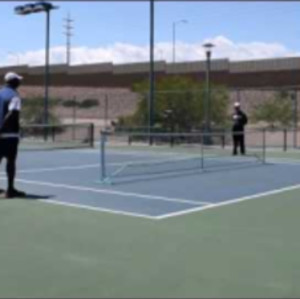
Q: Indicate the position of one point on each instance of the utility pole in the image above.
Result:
(68, 33)
(174, 36)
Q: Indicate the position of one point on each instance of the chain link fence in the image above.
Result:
(180, 110)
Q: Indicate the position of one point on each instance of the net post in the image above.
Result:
(102, 156)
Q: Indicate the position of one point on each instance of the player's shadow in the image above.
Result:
(37, 197)
(28, 197)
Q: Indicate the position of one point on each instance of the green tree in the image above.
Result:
(33, 111)
(277, 111)
(178, 105)
(88, 103)
(70, 103)
(85, 104)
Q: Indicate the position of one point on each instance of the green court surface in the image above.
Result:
(248, 249)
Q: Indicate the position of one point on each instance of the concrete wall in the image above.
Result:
(255, 73)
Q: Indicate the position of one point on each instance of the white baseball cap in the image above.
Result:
(11, 76)
(237, 104)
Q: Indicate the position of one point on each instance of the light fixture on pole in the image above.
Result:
(174, 36)
(36, 8)
(208, 49)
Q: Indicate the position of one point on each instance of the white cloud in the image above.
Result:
(128, 53)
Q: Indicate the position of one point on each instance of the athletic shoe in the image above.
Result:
(14, 193)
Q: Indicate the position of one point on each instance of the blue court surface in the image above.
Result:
(72, 178)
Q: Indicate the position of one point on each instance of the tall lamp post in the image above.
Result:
(36, 8)
(174, 36)
(151, 98)
(208, 48)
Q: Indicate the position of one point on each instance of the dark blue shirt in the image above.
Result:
(9, 101)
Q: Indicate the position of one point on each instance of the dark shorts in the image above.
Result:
(9, 148)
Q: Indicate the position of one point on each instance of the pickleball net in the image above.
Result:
(136, 156)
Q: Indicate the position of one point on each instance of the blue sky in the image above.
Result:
(119, 31)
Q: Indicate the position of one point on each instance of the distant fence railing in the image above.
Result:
(279, 138)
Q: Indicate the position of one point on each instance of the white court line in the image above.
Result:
(90, 208)
(287, 161)
(208, 205)
(229, 202)
(113, 192)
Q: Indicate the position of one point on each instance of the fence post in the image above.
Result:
(53, 133)
(202, 150)
(102, 156)
(295, 116)
(223, 136)
(285, 140)
(264, 146)
(92, 132)
(74, 117)
(106, 110)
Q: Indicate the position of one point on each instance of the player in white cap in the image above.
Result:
(10, 106)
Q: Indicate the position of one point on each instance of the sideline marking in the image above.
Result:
(230, 202)
(113, 192)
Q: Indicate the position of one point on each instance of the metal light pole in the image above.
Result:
(151, 77)
(295, 116)
(174, 36)
(208, 47)
(36, 8)
(47, 47)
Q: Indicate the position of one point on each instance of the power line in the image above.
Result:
(68, 33)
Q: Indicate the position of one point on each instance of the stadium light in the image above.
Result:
(37, 8)
(208, 49)
(174, 36)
